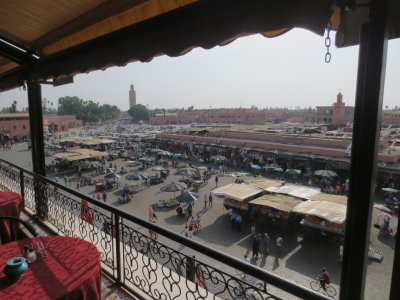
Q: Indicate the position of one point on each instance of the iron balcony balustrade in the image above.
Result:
(144, 258)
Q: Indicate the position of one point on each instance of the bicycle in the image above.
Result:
(329, 290)
(258, 287)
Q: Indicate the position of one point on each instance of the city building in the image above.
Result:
(16, 126)
(132, 96)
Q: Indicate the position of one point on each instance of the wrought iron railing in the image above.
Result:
(148, 260)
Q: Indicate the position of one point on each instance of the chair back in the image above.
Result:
(10, 229)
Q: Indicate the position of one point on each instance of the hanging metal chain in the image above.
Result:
(328, 43)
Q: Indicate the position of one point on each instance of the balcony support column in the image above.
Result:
(365, 143)
(37, 145)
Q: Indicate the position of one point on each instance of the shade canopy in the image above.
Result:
(174, 187)
(293, 172)
(299, 191)
(187, 197)
(279, 202)
(390, 190)
(330, 211)
(325, 173)
(237, 192)
(112, 176)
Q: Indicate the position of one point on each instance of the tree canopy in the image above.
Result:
(139, 112)
(87, 111)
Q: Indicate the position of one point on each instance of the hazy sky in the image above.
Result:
(285, 71)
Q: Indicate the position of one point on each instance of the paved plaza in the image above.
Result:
(301, 259)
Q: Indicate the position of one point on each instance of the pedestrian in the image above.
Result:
(190, 232)
(253, 230)
(148, 181)
(256, 246)
(279, 243)
(98, 196)
(205, 200)
(238, 222)
(189, 211)
(210, 199)
(233, 219)
(104, 197)
(186, 231)
(246, 259)
(216, 181)
(265, 244)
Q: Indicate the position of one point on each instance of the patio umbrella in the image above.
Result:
(390, 190)
(108, 170)
(112, 175)
(173, 187)
(202, 168)
(218, 158)
(86, 214)
(325, 173)
(293, 172)
(159, 169)
(144, 159)
(278, 169)
(133, 177)
(239, 174)
(165, 153)
(186, 171)
(256, 167)
(187, 197)
(272, 166)
(177, 155)
(383, 208)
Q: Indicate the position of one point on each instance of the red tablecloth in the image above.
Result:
(72, 270)
(10, 206)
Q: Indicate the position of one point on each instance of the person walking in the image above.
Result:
(189, 211)
(256, 246)
(253, 230)
(265, 244)
(210, 200)
(216, 180)
(279, 243)
(98, 196)
(238, 222)
(104, 197)
(233, 219)
(205, 201)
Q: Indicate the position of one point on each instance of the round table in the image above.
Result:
(10, 206)
(71, 270)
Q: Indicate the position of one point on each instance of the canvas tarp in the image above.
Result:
(79, 154)
(330, 197)
(264, 183)
(302, 192)
(330, 211)
(279, 202)
(237, 192)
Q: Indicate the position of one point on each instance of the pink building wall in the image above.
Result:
(17, 125)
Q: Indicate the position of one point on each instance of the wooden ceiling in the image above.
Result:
(67, 37)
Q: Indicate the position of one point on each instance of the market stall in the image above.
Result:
(276, 209)
(237, 196)
(324, 218)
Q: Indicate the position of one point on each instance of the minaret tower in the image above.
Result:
(132, 96)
